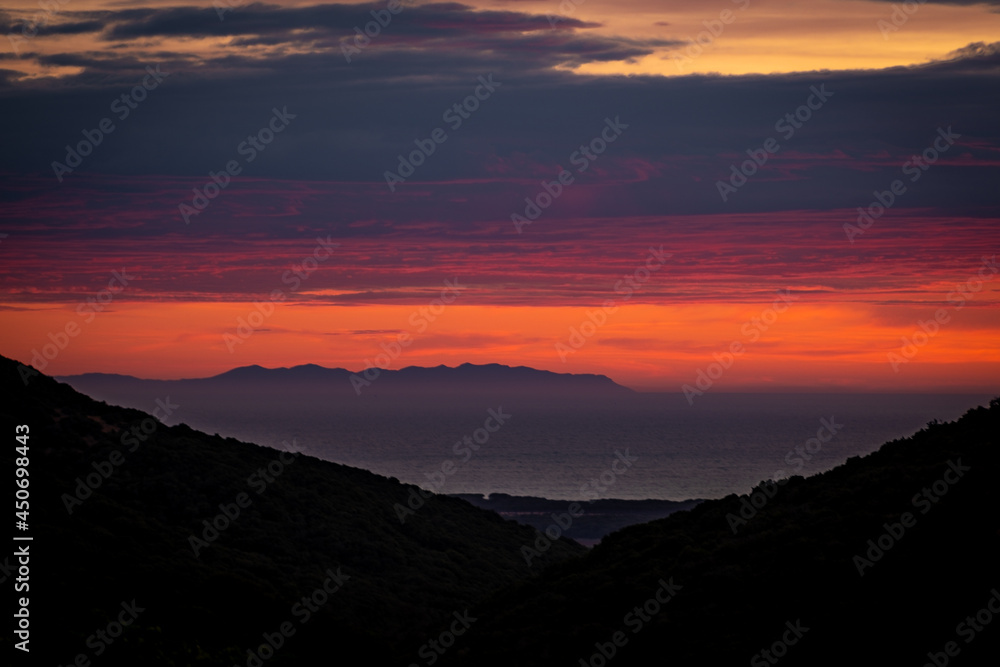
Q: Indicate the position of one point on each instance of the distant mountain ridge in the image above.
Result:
(409, 383)
(485, 374)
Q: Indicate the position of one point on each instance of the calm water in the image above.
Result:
(724, 444)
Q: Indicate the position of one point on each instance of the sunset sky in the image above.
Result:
(116, 114)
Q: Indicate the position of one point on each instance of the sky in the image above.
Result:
(759, 195)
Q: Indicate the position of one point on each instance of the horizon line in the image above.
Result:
(754, 389)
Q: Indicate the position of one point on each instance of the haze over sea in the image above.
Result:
(724, 443)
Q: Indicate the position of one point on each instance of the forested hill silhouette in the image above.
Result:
(118, 510)
(884, 559)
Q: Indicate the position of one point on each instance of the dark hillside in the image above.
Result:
(793, 560)
(131, 539)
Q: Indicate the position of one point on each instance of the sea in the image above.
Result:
(648, 445)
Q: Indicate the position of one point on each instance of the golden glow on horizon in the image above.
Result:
(788, 36)
(652, 347)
